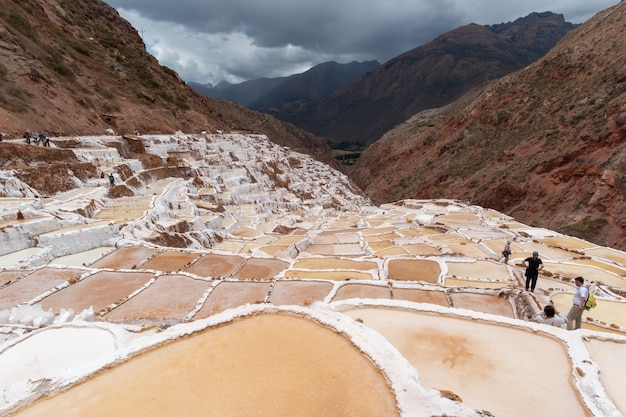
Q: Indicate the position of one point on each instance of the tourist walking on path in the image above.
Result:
(533, 265)
(506, 251)
(575, 315)
(111, 180)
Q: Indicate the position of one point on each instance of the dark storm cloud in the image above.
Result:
(209, 41)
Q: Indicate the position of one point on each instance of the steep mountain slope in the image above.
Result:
(430, 76)
(546, 144)
(70, 67)
(317, 82)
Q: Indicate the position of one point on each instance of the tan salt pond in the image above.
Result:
(334, 263)
(98, 291)
(329, 275)
(610, 356)
(506, 371)
(297, 367)
(479, 270)
(231, 294)
(468, 283)
(590, 273)
(485, 303)
(125, 258)
(170, 297)
(420, 296)
(303, 293)
(351, 290)
(608, 253)
(602, 265)
(567, 242)
(213, 265)
(258, 268)
(170, 261)
(414, 270)
(35, 284)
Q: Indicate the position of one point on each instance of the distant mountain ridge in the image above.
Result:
(312, 84)
(426, 77)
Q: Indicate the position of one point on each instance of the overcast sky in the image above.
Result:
(209, 41)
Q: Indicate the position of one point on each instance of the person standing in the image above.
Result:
(533, 265)
(506, 251)
(575, 315)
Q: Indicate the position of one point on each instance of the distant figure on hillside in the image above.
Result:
(35, 138)
(533, 265)
(111, 180)
(550, 316)
(578, 306)
(43, 139)
(506, 251)
(27, 136)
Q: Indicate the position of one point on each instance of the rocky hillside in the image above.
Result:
(427, 77)
(75, 67)
(546, 144)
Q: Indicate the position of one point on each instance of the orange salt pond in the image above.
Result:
(266, 365)
(507, 371)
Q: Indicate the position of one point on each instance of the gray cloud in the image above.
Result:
(237, 40)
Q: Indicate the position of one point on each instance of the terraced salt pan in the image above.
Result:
(66, 349)
(353, 290)
(21, 256)
(414, 270)
(567, 242)
(97, 291)
(125, 258)
(486, 303)
(170, 261)
(302, 293)
(590, 273)
(83, 258)
(480, 270)
(297, 367)
(36, 284)
(610, 356)
(170, 297)
(471, 358)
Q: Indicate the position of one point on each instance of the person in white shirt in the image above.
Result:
(550, 316)
(575, 315)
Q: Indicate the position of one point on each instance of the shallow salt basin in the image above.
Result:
(479, 270)
(82, 258)
(15, 258)
(65, 349)
(297, 367)
(490, 367)
(590, 273)
(611, 358)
